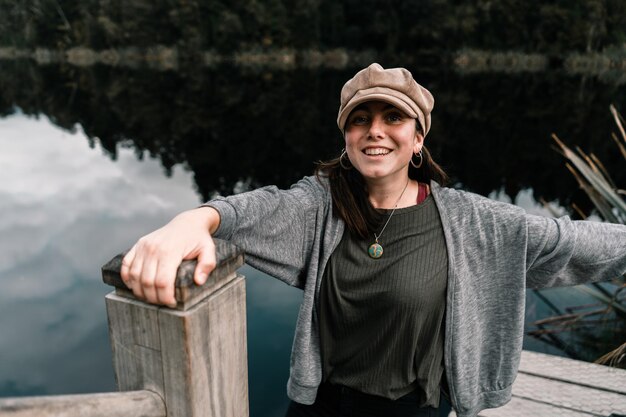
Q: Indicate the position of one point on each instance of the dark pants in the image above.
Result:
(338, 401)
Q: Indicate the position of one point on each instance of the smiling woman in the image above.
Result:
(386, 333)
(384, 115)
(380, 142)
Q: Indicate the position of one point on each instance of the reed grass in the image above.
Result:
(594, 179)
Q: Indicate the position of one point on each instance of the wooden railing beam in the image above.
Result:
(116, 404)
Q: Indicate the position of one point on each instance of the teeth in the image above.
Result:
(376, 151)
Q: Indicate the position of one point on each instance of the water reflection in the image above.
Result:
(66, 209)
(84, 179)
(490, 130)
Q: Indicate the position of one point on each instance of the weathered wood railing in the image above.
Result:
(188, 361)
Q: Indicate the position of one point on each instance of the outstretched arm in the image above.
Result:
(149, 268)
(564, 252)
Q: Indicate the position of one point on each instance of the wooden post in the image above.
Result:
(193, 356)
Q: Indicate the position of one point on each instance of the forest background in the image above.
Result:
(389, 27)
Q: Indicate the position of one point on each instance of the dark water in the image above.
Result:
(93, 158)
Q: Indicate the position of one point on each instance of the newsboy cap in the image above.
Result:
(395, 86)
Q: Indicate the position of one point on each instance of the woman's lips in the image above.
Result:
(376, 151)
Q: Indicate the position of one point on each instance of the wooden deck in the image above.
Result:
(552, 386)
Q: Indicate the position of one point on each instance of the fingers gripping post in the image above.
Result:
(194, 355)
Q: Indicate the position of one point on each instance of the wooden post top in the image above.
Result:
(187, 293)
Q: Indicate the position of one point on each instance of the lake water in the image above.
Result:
(93, 158)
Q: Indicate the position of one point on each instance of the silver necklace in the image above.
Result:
(376, 250)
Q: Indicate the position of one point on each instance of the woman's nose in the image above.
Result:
(376, 128)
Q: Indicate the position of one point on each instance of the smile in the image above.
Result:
(376, 151)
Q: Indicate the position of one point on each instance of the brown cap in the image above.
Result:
(395, 86)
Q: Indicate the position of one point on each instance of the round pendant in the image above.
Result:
(375, 251)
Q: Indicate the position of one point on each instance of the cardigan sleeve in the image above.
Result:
(563, 252)
(273, 226)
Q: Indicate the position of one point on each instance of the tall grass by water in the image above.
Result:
(602, 325)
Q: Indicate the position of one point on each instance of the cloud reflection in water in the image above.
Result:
(66, 209)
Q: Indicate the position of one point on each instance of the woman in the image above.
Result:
(408, 286)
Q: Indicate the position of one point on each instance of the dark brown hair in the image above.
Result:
(350, 195)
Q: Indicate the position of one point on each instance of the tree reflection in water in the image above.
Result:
(231, 126)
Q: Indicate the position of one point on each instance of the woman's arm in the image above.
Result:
(272, 226)
(149, 268)
(276, 228)
(564, 252)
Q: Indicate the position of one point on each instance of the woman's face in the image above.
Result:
(380, 141)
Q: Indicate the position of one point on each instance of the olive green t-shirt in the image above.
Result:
(381, 320)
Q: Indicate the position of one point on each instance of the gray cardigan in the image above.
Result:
(495, 251)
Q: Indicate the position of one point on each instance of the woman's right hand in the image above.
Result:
(149, 268)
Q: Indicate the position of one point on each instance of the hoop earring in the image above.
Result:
(421, 159)
(341, 163)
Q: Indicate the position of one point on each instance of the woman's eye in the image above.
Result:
(358, 120)
(394, 117)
